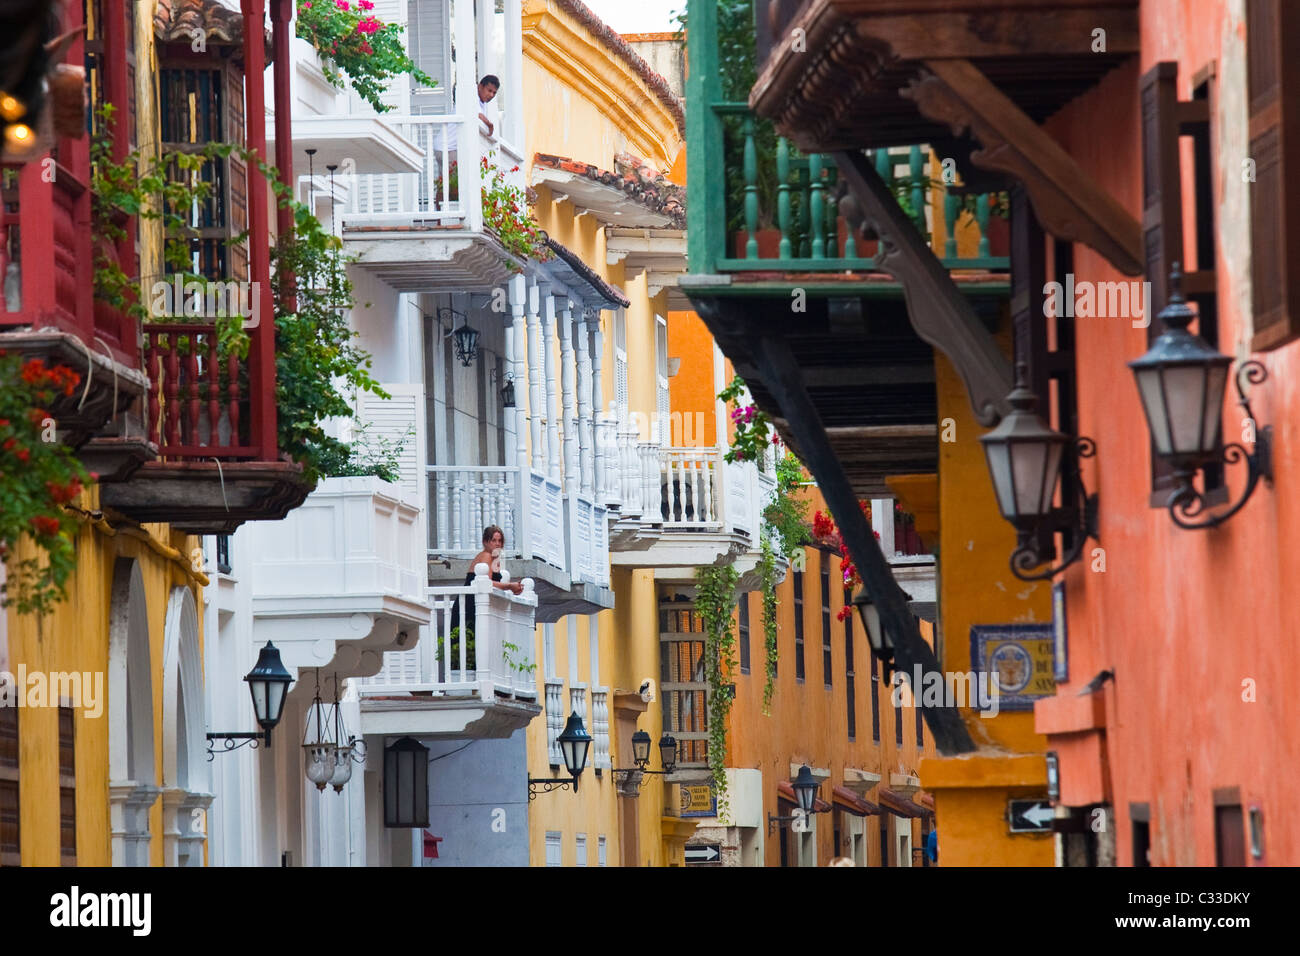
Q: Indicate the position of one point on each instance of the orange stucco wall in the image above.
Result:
(1197, 626)
(693, 392)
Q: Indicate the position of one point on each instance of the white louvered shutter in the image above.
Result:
(429, 44)
(620, 365)
(396, 419)
(664, 408)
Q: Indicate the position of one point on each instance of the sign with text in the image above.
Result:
(1020, 657)
(699, 800)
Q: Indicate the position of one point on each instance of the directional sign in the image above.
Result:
(1030, 816)
(704, 853)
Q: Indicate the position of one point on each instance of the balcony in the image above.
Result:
(843, 74)
(684, 508)
(560, 540)
(420, 231)
(202, 412)
(341, 579)
(447, 687)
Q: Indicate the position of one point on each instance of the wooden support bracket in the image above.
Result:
(1066, 200)
(937, 309)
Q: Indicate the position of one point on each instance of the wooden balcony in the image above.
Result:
(846, 74)
(201, 411)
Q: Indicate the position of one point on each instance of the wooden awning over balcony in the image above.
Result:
(837, 69)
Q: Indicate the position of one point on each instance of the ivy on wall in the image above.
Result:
(715, 601)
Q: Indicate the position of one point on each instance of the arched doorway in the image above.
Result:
(131, 772)
(187, 789)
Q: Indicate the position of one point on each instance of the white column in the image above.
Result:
(586, 439)
(571, 477)
(604, 428)
(515, 358)
(514, 75)
(468, 150)
(882, 523)
(535, 394)
(552, 392)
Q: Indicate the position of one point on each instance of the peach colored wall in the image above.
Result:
(1183, 618)
(693, 391)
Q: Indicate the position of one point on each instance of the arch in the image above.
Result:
(131, 767)
(184, 763)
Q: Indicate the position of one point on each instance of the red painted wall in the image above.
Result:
(1183, 618)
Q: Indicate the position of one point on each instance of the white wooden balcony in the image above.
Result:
(446, 686)
(682, 508)
(341, 578)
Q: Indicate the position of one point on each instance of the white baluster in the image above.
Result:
(552, 393)
(457, 506)
(443, 519)
(708, 466)
(572, 480)
(586, 438)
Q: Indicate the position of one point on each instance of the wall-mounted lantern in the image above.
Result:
(805, 786)
(465, 338)
(633, 777)
(268, 683)
(1182, 381)
(1025, 459)
(574, 743)
(406, 784)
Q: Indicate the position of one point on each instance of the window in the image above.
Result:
(1271, 30)
(67, 787)
(602, 858)
(10, 844)
(620, 365)
(882, 823)
(663, 404)
(223, 553)
(1229, 828)
(850, 686)
(580, 849)
(798, 626)
(897, 699)
(553, 848)
(742, 630)
(827, 676)
(681, 676)
(875, 697)
(920, 720)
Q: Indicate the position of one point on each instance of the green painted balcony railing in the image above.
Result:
(809, 235)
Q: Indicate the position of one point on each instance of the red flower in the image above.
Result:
(45, 525)
(845, 612)
(22, 454)
(9, 444)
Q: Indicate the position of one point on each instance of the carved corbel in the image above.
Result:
(1066, 200)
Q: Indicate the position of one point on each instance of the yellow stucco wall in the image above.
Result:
(75, 637)
(976, 586)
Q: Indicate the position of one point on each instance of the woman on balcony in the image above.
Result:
(494, 542)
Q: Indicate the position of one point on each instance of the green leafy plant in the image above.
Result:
(350, 40)
(38, 476)
(366, 454)
(767, 586)
(505, 213)
(715, 602)
(508, 652)
(785, 532)
(753, 428)
(453, 658)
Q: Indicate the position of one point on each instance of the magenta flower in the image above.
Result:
(365, 4)
(369, 25)
(341, 4)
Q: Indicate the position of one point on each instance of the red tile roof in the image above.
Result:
(179, 21)
(634, 176)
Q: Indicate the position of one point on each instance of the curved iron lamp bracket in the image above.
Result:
(1079, 517)
(549, 784)
(231, 742)
(1188, 503)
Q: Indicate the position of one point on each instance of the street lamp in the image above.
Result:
(633, 777)
(1182, 381)
(464, 338)
(805, 789)
(574, 743)
(882, 643)
(1024, 459)
(268, 683)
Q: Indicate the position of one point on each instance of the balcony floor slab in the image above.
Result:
(202, 497)
(445, 718)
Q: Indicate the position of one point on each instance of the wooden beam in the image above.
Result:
(850, 376)
(939, 312)
(1002, 33)
(781, 375)
(1067, 201)
(875, 432)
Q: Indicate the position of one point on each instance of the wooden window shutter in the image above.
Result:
(238, 177)
(67, 787)
(10, 842)
(1273, 89)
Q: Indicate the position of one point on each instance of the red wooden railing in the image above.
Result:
(198, 401)
(906, 540)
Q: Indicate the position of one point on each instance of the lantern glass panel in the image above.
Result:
(1151, 387)
(640, 747)
(259, 690)
(668, 752)
(1035, 466)
(1186, 387)
(1216, 383)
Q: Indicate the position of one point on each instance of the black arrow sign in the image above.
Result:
(1030, 816)
(704, 853)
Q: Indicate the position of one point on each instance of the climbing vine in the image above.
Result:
(715, 601)
(767, 584)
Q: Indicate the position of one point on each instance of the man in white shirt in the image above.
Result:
(487, 115)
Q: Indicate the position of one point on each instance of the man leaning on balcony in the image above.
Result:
(487, 115)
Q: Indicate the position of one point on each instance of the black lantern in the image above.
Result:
(668, 752)
(1181, 381)
(1025, 457)
(805, 789)
(268, 682)
(465, 338)
(406, 784)
(508, 392)
(641, 749)
(574, 743)
(879, 638)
